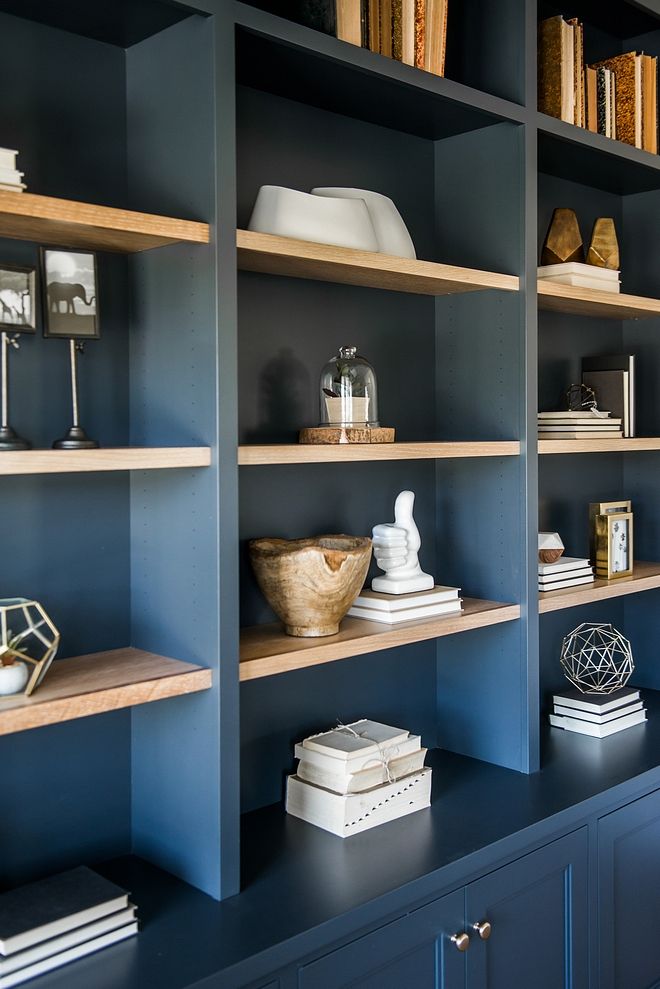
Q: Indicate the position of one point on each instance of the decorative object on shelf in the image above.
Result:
(611, 532)
(596, 658)
(604, 247)
(311, 583)
(569, 571)
(302, 216)
(391, 232)
(357, 776)
(598, 715)
(396, 548)
(28, 644)
(348, 398)
(71, 311)
(612, 379)
(581, 398)
(551, 548)
(563, 241)
(17, 315)
(11, 180)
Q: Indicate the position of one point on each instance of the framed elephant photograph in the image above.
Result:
(70, 293)
(17, 298)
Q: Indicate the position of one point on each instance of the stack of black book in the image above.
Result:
(598, 715)
(47, 924)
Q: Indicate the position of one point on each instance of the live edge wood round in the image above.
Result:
(322, 435)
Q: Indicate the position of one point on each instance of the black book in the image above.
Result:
(622, 363)
(44, 909)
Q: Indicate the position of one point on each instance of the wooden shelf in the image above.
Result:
(266, 650)
(112, 458)
(45, 220)
(304, 259)
(645, 577)
(295, 453)
(635, 443)
(593, 302)
(103, 681)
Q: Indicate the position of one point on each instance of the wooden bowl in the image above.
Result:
(311, 583)
(550, 555)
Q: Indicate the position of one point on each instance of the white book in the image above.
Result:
(397, 602)
(586, 571)
(597, 426)
(598, 703)
(582, 281)
(598, 731)
(349, 814)
(577, 415)
(410, 614)
(561, 585)
(64, 957)
(5, 187)
(578, 268)
(563, 563)
(329, 764)
(360, 738)
(55, 945)
(574, 435)
(10, 176)
(372, 775)
(8, 158)
(598, 719)
(565, 420)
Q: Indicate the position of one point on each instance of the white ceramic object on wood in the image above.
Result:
(347, 411)
(343, 222)
(396, 546)
(391, 232)
(13, 679)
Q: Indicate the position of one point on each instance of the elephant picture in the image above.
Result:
(17, 299)
(70, 297)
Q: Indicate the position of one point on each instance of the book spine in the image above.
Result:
(550, 66)
(433, 37)
(349, 21)
(420, 33)
(397, 30)
(408, 32)
(374, 25)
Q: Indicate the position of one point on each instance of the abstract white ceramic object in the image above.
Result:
(343, 222)
(391, 232)
(350, 411)
(396, 546)
(13, 679)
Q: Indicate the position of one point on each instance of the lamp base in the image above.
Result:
(9, 440)
(76, 439)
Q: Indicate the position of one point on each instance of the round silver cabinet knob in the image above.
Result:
(483, 929)
(462, 941)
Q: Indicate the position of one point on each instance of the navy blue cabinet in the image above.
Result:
(629, 895)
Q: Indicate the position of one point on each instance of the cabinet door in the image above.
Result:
(538, 911)
(415, 951)
(629, 895)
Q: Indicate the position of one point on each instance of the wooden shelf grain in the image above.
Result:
(634, 443)
(103, 681)
(112, 458)
(300, 453)
(24, 216)
(304, 259)
(645, 577)
(592, 302)
(266, 649)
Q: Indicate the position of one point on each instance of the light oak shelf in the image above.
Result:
(110, 459)
(104, 681)
(266, 649)
(634, 443)
(645, 577)
(305, 259)
(24, 216)
(300, 453)
(592, 302)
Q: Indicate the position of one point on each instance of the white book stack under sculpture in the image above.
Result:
(11, 180)
(568, 571)
(582, 275)
(582, 425)
(391, 608)
(358, 776)
(598, 715)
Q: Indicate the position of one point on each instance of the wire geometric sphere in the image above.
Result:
(596, 658)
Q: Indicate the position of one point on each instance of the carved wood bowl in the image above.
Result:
(311, 583)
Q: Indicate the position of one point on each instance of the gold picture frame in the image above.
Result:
(611, 539)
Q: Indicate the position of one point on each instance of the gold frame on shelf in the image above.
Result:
(603, 516)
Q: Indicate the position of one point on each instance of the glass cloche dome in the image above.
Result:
(348, 393)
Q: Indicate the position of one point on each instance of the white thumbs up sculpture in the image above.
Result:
(396, 545)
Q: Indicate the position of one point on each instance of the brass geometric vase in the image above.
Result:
(604, 247)
(563, 241)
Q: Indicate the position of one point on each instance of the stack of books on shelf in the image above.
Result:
(612, 380)
(410, 31)
(616, 97)
(583, 425)
(47, 924)
(598, 715)
(10, 178)
(393, 608)
(582, 275)
(358, 776)
(569, 571)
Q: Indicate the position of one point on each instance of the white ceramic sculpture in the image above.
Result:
(396, 546)
(343, 222)
(391, 232)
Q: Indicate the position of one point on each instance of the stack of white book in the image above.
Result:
(598, 715)
(10, 179)
(582, 275)
(568, 571)
(358, 776)
(54, 921)
(393, 608)
(583, 425)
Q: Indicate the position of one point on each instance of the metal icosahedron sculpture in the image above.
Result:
(596, 658)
